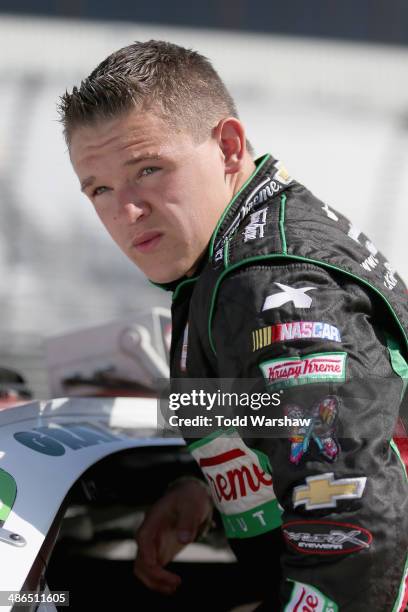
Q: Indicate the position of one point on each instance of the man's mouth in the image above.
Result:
(147, 241)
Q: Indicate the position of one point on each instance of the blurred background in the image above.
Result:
(322, 86)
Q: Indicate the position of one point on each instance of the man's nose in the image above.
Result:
(132, 206)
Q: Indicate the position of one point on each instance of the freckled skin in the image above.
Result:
(177, 197)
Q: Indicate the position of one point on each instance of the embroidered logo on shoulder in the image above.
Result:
(374, 258)
(306, 598)
(323, 491)
(326, 537)
(297, 295)
(294, 330)
(317, 367)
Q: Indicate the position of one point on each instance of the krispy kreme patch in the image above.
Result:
(303, 370)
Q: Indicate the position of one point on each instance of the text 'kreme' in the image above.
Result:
(237, 481)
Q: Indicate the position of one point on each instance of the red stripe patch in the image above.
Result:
(221, 458)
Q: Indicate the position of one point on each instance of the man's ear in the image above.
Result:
(230, 135)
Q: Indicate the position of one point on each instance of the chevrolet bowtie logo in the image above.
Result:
(323, 491)
(288, 294)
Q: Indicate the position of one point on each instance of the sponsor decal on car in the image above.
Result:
(324, 490)
(303, 370)
(326, 537)
(8, 493)
(297, 295)
(52, 440)
(306, 598)
(321, 429)
(240, 482)
(294, 330)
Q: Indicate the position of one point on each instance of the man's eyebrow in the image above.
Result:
(140, 158)
(130, 162)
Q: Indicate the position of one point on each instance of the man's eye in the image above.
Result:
(149, 170)
(98, 190)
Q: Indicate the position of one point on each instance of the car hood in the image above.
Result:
(45, 446)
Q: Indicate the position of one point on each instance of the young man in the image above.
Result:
(269, 284)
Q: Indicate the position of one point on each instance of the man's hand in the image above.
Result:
(171, 523)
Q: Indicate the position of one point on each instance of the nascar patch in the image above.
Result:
(314, 368)
(294, 330)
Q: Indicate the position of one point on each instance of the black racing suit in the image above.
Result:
(292, 295)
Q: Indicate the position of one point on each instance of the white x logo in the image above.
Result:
(288, 294)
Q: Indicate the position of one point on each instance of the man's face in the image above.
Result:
(158, 193)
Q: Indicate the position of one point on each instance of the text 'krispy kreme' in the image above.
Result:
(311, 368)
(301, 368)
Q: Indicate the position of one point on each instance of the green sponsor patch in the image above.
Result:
(240, 483)
(8, 491)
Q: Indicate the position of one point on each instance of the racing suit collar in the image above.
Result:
(264, 167)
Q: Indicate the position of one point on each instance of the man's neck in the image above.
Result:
(236, 182)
